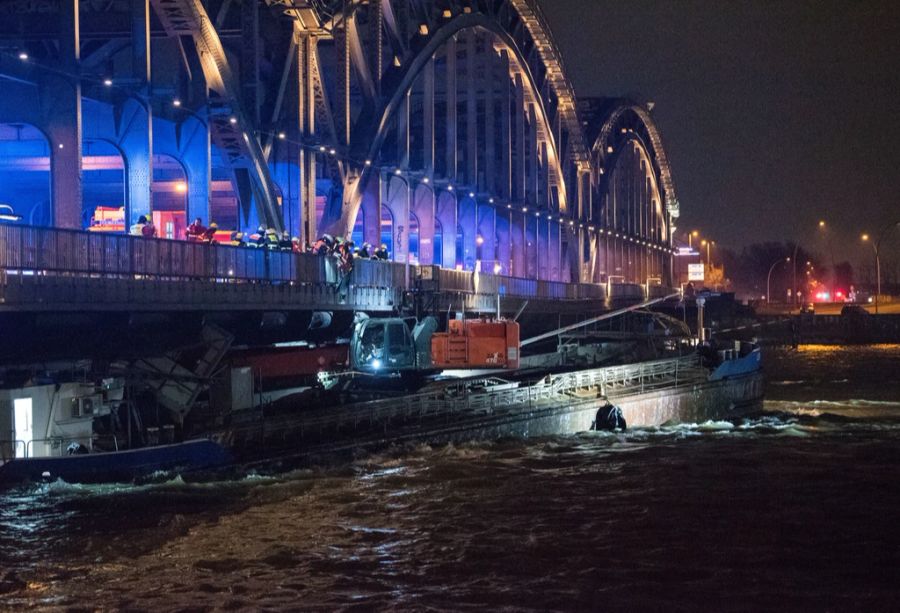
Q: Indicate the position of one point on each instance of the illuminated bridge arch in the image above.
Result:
(454, 116)
(470, 100)
(635, 205)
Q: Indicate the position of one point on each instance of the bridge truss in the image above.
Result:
(446, 128)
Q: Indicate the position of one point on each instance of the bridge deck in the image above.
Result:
(53, 269)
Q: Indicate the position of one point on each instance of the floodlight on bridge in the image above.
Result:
(7, 213)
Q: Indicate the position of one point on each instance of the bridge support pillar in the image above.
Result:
(554, 245)
(136, 142)
(468, 222)
(396, 199)
(519, 242)
(423, 208)
(446, 213)
(487, 250)
(61, 109)
(504, 241)
(194, 144)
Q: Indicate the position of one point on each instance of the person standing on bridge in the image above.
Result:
(209, 236)
(137, 229)
(195, 231)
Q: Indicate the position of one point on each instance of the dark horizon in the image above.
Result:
(774, 116)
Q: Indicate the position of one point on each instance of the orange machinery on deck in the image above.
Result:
(476, 343)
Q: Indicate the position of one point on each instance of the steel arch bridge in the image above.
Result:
(444, 128)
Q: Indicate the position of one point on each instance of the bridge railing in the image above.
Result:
(29, 250)
(51, 250)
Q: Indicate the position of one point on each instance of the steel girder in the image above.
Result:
(230, 129)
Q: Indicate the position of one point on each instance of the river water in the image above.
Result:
(795, 508)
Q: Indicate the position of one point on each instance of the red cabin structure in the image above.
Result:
(476, 343)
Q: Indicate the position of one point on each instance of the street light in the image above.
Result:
(769, 278)
(876, 246)
(691, 237)
(707, 244)
(826, 237)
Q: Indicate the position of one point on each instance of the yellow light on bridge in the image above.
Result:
(181, 187)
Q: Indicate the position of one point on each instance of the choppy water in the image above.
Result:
(796, 508)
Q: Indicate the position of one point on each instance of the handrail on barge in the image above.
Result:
(459, 400)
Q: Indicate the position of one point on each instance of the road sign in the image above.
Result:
(695, 272)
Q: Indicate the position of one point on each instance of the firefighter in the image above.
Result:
(381, 253)
(210, 235)
(137, 229)
(259, 238)
(272, 239)
(323, 245)
(285, 243)
(148, 230)
(195, 231)
(365, 252)
(237, 239)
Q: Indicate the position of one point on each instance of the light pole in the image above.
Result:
(707, 244)
(826, 236)
(877, 248)
(691, 236)
(769, 278)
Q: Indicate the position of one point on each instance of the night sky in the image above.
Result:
(774, 114)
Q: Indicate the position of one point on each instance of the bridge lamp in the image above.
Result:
(398, 172)
(23, 56)
(368, 162)
(107, 82)
(282, 135)
(334, 152)
(509, 206)
(322, 148)
(609, 149)
(176, 103)
(549, 217)
(561, 220)
(446, 14)
(426, 180)
(497, 269)
(524, 209)
(181, 187)
(232, 120)
(471, 194)
(822, 223)
(423, 29)
(449, 188)
(537, 214)
(479, 240)
(491, 200)
(8, 214)
(572, 223)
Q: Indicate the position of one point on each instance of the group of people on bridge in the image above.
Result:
(270, 239)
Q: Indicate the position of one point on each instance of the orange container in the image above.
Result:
(476, 343)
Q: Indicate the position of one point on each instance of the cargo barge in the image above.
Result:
(651, 393)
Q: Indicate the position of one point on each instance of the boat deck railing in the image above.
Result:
(488, 397)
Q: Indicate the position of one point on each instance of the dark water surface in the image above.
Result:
(797, 508)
